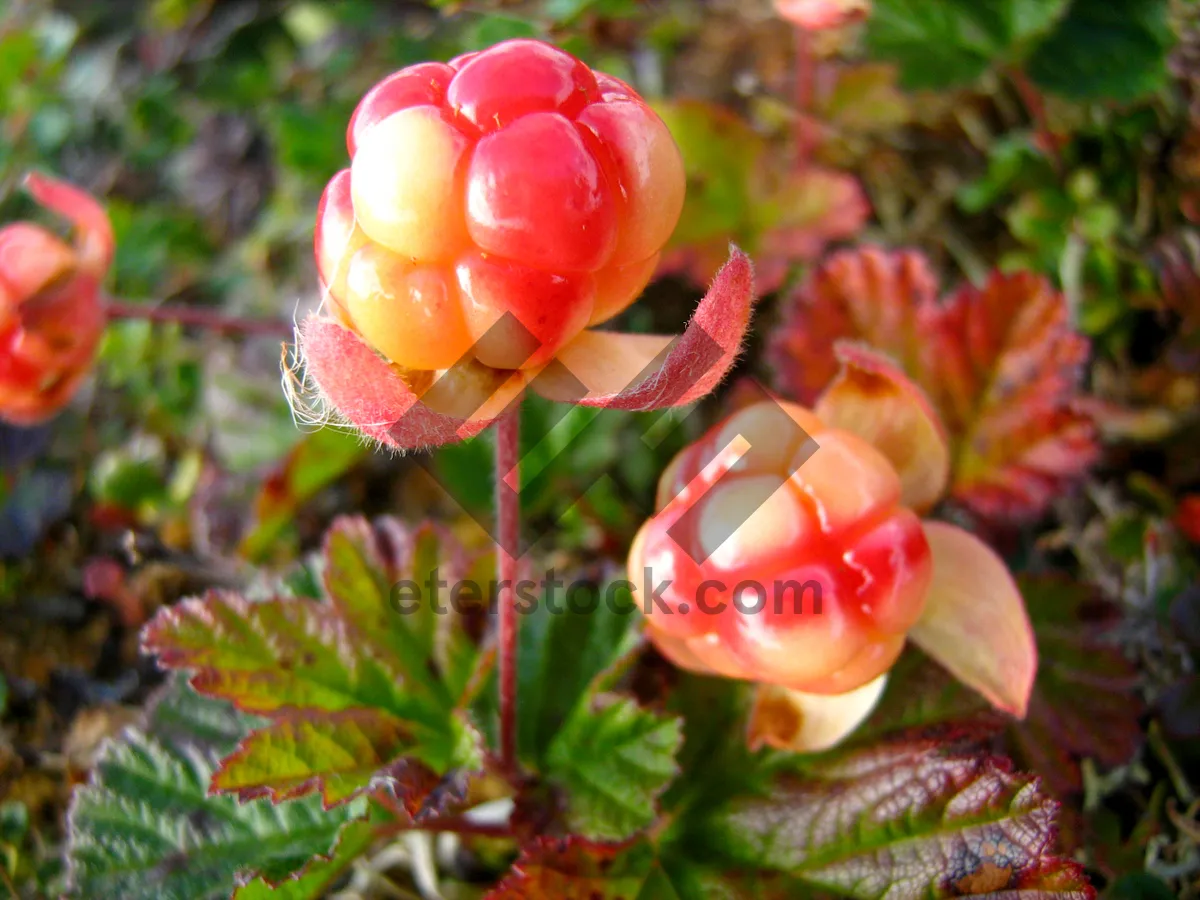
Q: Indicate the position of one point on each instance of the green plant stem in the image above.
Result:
(508, 528)
(199, 318)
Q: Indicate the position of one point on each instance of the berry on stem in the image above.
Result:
(514, 184)
(833, 570)
(788, 551)
(495, 208)
(51, 316)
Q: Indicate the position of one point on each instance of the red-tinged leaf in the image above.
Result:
(351, 380)
(1008, 367)
(874, 399)
(906, 820)
(1085, 703)
(338, 754)
(812, 209)
(423, 794)
(271, 655)
(364, 563)
(577, 869)
(817, 15)
(974, 623)
(362, 696)
(1000, 364)
(742, 189)
(313, 464)
(923, 698)
(643, 372)
(869, 295)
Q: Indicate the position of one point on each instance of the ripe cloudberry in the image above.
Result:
(514, 180)
(788, 551)
(51, 316)
(817, 587)
(497, 207)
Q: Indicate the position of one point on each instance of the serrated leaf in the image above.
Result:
(947, 43)
(612, 763)
(1085, 704)
(272, 655)
(715, 712)
(563, 649)
(314, 880)
(362, 696)
(1106, 51)
(342, 755)
(146, 827)
(364, 565)
(907, 819)
(1001, 364)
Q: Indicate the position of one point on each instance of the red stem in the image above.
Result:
(508, 525)
(1036, 106)
(459, 825)
(453, 824)
(199, 318)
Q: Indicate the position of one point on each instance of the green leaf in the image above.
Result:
(272, 655)
(342, 755)
(314, 881)
(419, 627)
(565, 646)
(493, 29)
(362, 696)
(1106, 51)
(612, 763)
(720, 151)
(911, 818)
(313, 464)
(146, 827)
(945, 43)
(715, 711)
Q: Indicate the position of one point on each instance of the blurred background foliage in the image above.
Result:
(1058, 137)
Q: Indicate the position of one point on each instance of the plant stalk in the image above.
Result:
(1035, 104)
(508, 527)
(199, 318)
